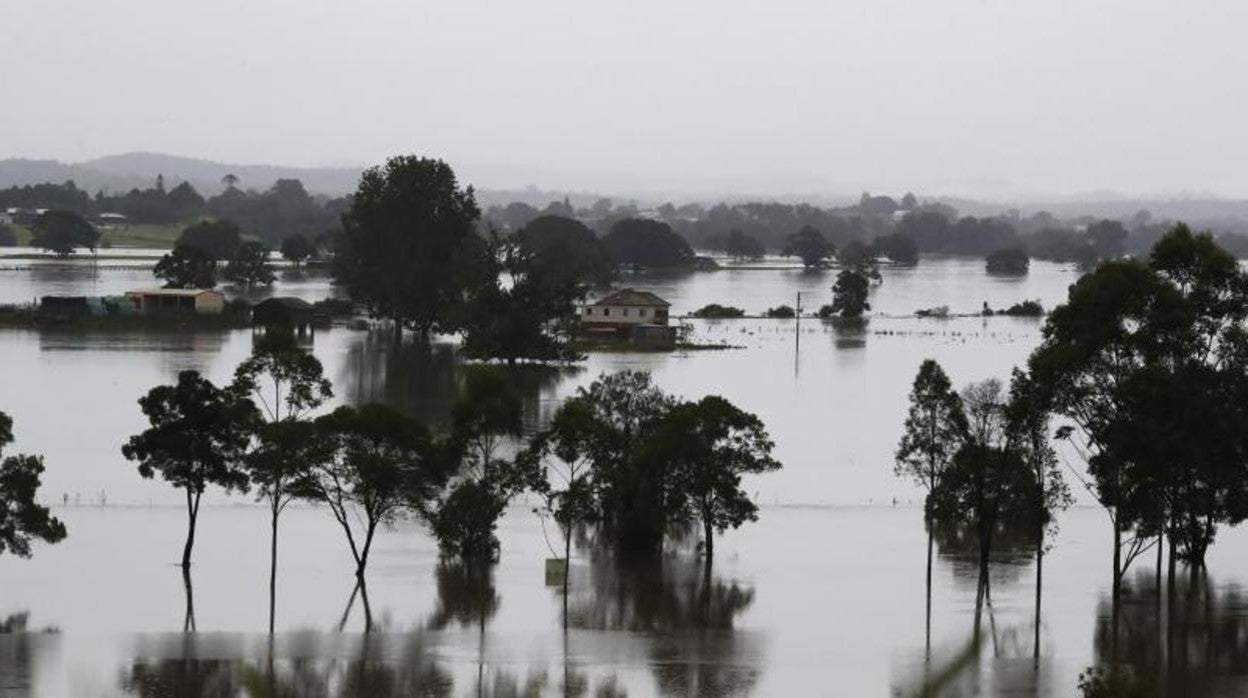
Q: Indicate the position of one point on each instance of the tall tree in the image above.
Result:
(405, 242)
(197, 438)
(708, 446)
(644, 243)
(218, 239)
(288, 382)
(483, 419)
(297, 249)
(935, 428)
(380, 463)
(849, 294)
(186, 267)
(23, 519)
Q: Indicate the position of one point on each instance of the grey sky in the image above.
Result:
(975, 97)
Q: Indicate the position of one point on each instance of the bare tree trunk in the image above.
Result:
(273, 571)
(192, 515)
(188, 622)
(567, 572)
(1116, 593)
(927, 646)
(1035, 650)
(710, 540)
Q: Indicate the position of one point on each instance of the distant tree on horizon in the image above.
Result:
(62, 232)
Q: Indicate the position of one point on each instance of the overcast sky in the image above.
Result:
(973, 97)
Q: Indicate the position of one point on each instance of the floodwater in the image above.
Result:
(822, 596)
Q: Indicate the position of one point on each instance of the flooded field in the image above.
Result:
(825, 590)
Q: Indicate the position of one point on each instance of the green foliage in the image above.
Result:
(935, 428)
(22, 519)
(567, 246)
(783, 312)
(1146, 362)
(1097, 682)
(706, 447)
(1027, 308)
(849, 294)
(283, 210)
(524, 316)
(811, 246)
(379, 463)
(1011, 260)
(898, 247)
(563, 453)
(287, 380)
(186, 267)
(217, 239)
(643, 243)
(409, 248)
(62, 232)
(740, 246)
(858, 256)
(297, 249)
(717, 311)
(482, 419)
(197, 438)
(250, 265)
(8, 236)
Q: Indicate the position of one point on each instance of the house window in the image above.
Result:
(589, 311)
(642, 312)
(606, 311)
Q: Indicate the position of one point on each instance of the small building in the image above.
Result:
(629, 314)
(294, 313)
(201, 301)
(112, 220)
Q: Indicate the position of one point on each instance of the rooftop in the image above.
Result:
(172, 291)
(633, 297)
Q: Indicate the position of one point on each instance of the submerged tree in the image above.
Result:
(379, 463)
(186, 267)
(810, 246)
(288, 382)
(197, 437)
(935, 429)
(404, 241)
(249, 265)
(62, 232)
(22, 519)
(297, 249)
(484, 482)
(707, 446)
(849, 295)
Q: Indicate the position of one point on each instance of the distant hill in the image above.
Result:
(124, 172)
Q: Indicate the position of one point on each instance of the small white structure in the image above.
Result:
(201, 301)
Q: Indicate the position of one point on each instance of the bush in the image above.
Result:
(782, 311)
(826, 312)
(717, 311)
(1012, 260)
(1025, 309)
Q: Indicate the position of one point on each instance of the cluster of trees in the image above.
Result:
(23, 520)
(193, 261)
(282, 210)
(622, 454)
(1144, 368)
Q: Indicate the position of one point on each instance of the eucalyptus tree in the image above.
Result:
(935, 428)
(483, 420)
(560, 459)
(1028, 431)
(23, 519)
(289, 383)
(198, 436)
(378, 464)
(707, 447)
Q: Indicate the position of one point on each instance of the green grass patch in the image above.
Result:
(141, 235)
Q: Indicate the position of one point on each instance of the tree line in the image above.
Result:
(622, 456)
(1144, 372)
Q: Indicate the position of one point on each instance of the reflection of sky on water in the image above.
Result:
(824, 592)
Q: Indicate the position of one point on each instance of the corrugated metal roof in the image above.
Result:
(172, 292)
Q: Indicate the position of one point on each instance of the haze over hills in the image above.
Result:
(504, 184)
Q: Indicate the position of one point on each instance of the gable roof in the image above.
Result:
(288, 302)
(186, 292)
(633, 297)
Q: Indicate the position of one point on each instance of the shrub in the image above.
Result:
(715, 310)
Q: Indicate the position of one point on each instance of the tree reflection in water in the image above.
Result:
(424, 379)
(1195, 643)
(20, 649)
(359, 666)
(687, 612)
